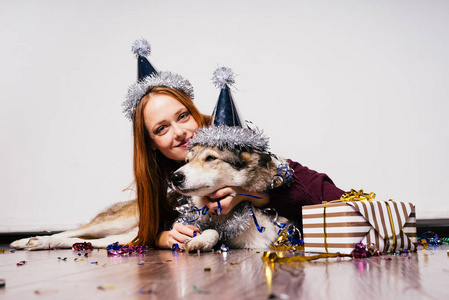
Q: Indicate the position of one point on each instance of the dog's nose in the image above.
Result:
(177, 178)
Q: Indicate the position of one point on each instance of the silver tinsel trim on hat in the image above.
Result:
(223, 77)
(140, 88)
(141, 47)
(230, 138)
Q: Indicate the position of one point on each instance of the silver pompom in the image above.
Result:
(223, 77)
(141, 47)
(230, 137)
(166, 79)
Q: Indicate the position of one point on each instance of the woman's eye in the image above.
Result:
(183, 116)
(210, 158)
(160, 129)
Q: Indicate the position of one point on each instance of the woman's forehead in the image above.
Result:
(161, 107)
(162, 103)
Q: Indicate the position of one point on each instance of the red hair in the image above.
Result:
(151, 170)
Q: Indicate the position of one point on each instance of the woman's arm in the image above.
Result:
(307, 187)
(231, 196)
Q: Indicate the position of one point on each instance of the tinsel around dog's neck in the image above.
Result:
(230, 137)
(228, 226)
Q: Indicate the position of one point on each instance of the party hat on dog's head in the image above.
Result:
(148, 78)
(225, 112)
(228, 130)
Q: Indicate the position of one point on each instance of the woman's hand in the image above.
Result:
(230, 197)
(178, 235)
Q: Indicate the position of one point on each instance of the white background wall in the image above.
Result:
(356, 89)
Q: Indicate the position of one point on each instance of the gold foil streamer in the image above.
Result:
(279, 257)
(424, 244)
(287, 248)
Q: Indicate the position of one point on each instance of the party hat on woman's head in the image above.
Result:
(142, 49)
(148, 78)
(225, 112)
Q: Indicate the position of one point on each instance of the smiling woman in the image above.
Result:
(160, 106)
(170, 125)
(163, 121)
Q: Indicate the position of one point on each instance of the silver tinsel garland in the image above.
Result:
(229, 137)
(232, 225)
(140, 88)
(228, 226)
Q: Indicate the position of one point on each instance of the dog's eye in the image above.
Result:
(210, 158)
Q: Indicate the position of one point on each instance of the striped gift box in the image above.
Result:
(337, 227)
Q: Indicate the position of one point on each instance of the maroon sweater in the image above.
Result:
(307, 187)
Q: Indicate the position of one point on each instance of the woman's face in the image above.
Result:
(170, 125)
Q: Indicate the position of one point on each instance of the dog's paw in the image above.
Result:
(19, 244)
(204, 242)
(39, 242)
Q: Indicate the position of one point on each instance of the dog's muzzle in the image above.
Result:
(177, 179)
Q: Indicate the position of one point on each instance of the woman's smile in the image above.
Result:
(185, 143)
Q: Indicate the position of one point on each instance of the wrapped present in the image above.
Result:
(338, 225)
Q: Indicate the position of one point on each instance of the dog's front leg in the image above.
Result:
(204, 242)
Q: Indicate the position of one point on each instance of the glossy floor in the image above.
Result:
(237, 274)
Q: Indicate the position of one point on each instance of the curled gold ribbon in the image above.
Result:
(354, 195)
(282, 242)
(282, 238)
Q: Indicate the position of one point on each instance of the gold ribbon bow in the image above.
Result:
(354, 195)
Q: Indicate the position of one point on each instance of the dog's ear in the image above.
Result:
(251, 157)
(264, 159)
(245, 158)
